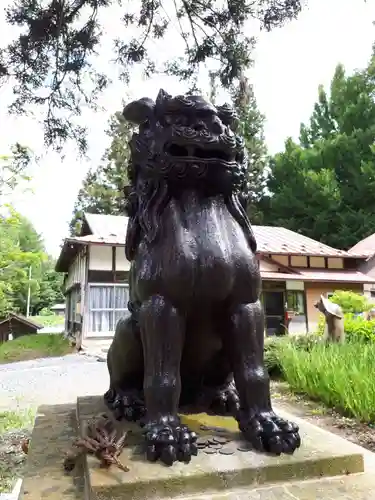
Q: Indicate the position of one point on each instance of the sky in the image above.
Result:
(290, 63)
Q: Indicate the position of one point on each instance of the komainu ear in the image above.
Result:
(162, 101)
(138, 112)
(162, 98)
(228, 116)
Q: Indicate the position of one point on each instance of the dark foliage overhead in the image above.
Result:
(51, 61)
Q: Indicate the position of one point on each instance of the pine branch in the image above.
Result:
(51, 65)
(102, 441)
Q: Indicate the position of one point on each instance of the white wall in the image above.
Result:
(100, 258)
(122, 264)
(267, 266)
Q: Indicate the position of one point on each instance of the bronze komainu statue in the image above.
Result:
(196, 319)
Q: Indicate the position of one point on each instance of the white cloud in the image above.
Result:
(290, 63)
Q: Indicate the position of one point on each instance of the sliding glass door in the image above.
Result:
(107, 304)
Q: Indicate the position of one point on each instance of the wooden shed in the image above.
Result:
(15, 326)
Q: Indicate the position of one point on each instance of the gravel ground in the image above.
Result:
(51, 381)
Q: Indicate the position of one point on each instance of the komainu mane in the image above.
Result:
(196, 330)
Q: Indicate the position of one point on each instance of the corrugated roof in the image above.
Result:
(365, 246)
(110, 239)
(22, 319)
(104, 226)
(111, 229)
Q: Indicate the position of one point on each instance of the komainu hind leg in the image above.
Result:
(219, 390)
(225, 400)
(259, 423)
(125, 365)
(163, 334)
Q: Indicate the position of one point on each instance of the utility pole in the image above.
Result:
(28, 295)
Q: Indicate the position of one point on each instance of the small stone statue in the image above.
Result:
(196, 330)
(334, 316)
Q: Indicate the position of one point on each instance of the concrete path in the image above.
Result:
(51, 381)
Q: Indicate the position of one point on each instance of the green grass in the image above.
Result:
(6, 480)
(34, 347)
(340, 376)
(20, 419)
(53, 320)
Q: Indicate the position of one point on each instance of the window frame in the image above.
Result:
(303, 302)
(104, 309)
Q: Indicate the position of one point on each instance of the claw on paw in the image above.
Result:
(125, 405)
(270, 433)
(226, 401)
(169, 442)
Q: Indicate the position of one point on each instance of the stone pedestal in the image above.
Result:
(318, 465)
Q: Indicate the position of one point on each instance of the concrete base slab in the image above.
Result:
(355, 487)
(320, 455)
(250, 476)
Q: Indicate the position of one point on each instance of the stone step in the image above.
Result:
(322, 454)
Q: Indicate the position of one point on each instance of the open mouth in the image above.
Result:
(196, 152)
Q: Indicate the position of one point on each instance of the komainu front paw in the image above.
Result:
(225, 401)
(169, 441)
(128, 405)
(270, 433)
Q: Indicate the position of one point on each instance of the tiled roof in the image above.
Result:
(327, 275)
(279, 240)
(365, 246)
(111, 229)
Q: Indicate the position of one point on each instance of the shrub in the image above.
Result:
(358, 329)
(305, 342)
(272, 348)
(351, 302)
(341, 376)
(45, 312)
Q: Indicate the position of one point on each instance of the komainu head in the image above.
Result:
(188, 142)
(182, 143)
